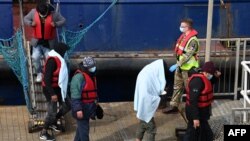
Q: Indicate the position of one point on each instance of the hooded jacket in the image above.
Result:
(57, 18)
(51, 67)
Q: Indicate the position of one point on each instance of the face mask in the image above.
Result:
(92, 69)
(209, 77)
(182, 29)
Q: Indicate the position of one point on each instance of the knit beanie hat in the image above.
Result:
(209, 67)
(88, 62)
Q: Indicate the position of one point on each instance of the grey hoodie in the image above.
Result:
(58, 19)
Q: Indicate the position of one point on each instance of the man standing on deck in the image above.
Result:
(44, 22)
(186, 50)
(150, 86)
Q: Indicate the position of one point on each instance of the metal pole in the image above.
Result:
(22, 22)
(209, 29)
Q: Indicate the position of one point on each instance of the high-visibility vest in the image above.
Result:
(55, 75)
(49, 30)
(206, 96)
(182, 45)
(193, 61)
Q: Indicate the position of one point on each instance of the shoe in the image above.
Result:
(55, 127)
(170, 110)
(44, 135)
(39, 77)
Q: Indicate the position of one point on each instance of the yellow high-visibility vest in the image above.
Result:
(193, 61)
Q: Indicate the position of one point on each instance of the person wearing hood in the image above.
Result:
(54, 83)
(44, 21)
(198, 103)
(150, 85)
(84, 97)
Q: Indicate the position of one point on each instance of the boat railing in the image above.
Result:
(245, 110)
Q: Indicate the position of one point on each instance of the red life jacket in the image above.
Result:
(49, 31)
(55, 75)
(89, 90)
(182, 42)
(206, 96)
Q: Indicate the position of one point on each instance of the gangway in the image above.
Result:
(39, 103)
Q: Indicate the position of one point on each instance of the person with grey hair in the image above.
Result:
(44, 22)
(84, 97)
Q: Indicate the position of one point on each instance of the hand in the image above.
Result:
(33, 23)
(52, 24)
(173, 68)
(54, 98)
(217, 74)
(163, 93)
(79, 114)
(196, 123)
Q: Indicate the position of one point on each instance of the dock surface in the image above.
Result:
(119, 123)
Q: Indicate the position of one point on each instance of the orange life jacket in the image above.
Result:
(49, 31)
(182, 41)
(89, 90)
(55, 75)
(206, 96)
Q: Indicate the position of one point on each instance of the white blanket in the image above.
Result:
(63, 74)
(150, 84)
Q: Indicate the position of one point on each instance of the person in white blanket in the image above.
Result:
(150, 85)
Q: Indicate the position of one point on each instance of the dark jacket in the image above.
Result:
(48, 73)
(77, 82)
(196, 86)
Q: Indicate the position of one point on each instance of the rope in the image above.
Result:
(72, 38)
(14, 54)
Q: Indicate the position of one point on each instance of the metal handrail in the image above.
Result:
(245, 92)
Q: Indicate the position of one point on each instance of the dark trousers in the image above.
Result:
(53, 115)
(82, 130)
(202, 133)
(149, 127)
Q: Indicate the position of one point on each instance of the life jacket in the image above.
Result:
(89, 90)
(182, 43)
(206, 96)
(49, 31)
(55, 75)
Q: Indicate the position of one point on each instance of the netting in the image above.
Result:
(14, 54)
(72, 38)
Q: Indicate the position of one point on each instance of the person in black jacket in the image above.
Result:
(55, 81)
(198, 103)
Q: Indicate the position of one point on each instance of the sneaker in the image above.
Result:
(55, 127)
(39, 77)
(46, 136)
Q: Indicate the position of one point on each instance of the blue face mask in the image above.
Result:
(209, 77)
(93, 69)
(182, 29)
